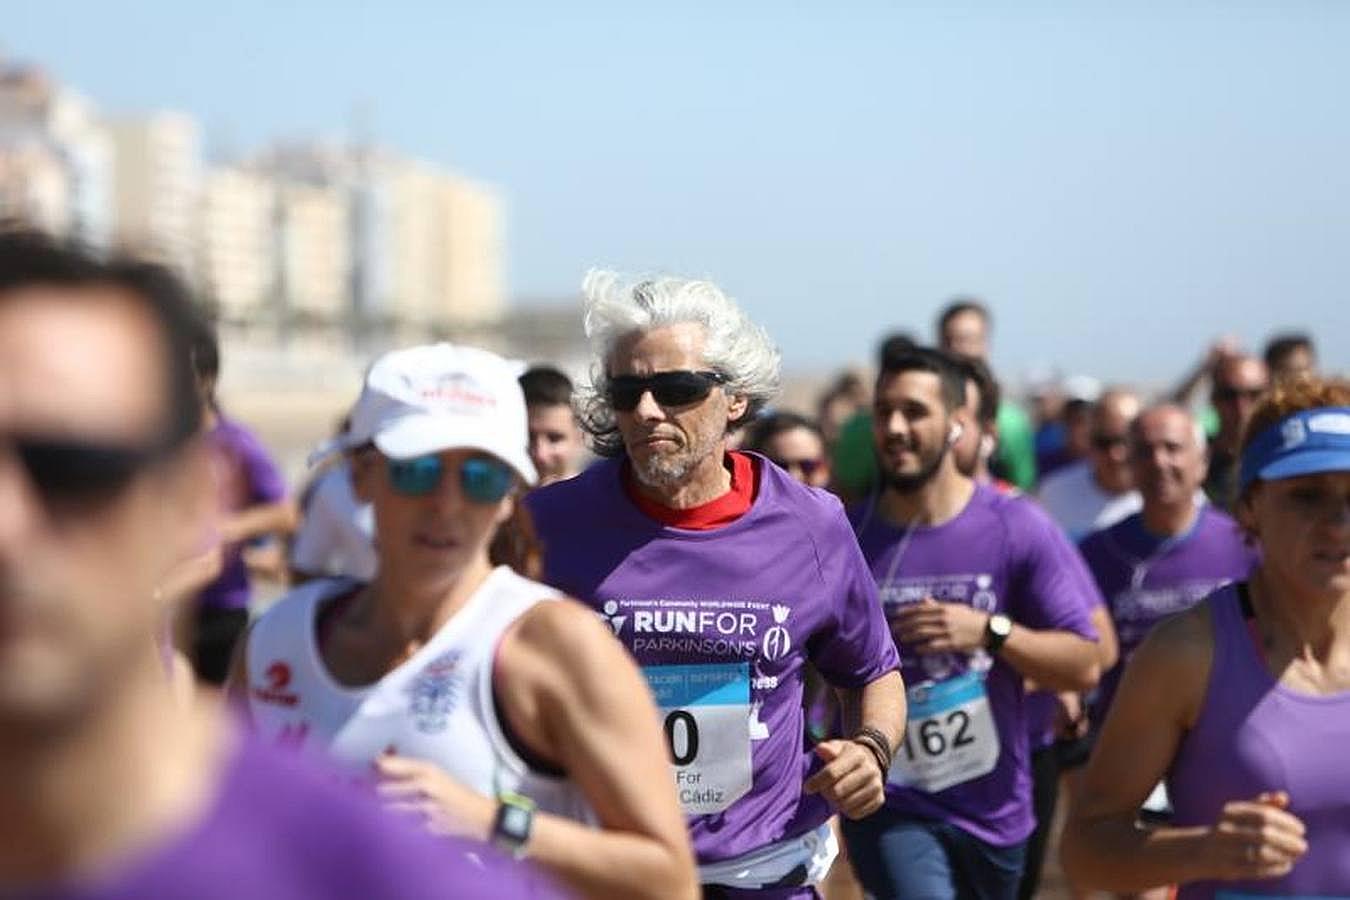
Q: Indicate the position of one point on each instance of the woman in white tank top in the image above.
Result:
(473, 697)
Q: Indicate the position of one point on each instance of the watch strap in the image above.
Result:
(512, 824)
(993, 638)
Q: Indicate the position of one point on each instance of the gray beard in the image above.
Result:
(665, 471)
(671, 470)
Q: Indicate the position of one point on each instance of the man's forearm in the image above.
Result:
(880, 704)
(1055, 660)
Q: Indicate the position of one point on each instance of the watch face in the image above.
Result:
(515, 821)
(1001, 625)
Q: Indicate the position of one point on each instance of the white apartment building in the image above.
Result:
(157, 176)
(34, 186)
(55, 158)
(237, 251)
(314, 247)
(474, 255)
(302, 239)
(428, 245)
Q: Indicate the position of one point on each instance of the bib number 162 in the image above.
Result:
(950, 738)
(935, 736)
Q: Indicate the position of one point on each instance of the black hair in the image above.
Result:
(546, 386)
(991, 394)
(1076, 406)
(205, 350)
(767, 427)
(894, 344)
(1282, 345)
(961, 305)
(30, 258)
(930, 359)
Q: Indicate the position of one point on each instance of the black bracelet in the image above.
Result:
(876, 742)
(877, 755)
(882, 742)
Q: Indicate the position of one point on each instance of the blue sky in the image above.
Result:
(1120, 181)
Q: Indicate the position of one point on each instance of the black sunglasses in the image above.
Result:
(1225, 394)
(69, 472)
(1105, 442)
(678, 388)
(808, 467)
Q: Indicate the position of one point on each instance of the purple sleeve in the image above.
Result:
(1053, 588)
(265, 483)
(854, 648)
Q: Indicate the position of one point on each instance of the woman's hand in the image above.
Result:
(440, 803)
(1255, 839)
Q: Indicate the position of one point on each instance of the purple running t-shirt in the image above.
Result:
(1146, 578)
(1254, 735)
(965, 760)
(281, 829)
(245, 476)
(722, 622)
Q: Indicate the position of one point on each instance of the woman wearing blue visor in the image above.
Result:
(466, 693)
(1243, 703)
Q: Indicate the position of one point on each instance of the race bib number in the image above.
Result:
(706, 711)
(950, 737)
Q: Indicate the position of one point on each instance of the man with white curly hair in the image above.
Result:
(724, 577)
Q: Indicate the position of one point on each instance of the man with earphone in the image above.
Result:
(982, 592)
(976, 441)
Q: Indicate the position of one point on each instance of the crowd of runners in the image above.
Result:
(652, 634)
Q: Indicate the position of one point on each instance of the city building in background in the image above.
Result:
(56, 158)
(157, 187)
(311, 245)
(236, 257)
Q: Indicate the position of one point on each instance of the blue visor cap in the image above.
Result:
(1305, 443)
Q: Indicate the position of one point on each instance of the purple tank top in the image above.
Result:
(1254, 735)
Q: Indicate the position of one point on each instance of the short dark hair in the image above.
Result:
(930, 359)
(894, 344)
(30, 258)
(1076, 407)
(960, 305)
(1279, 347)
(205, 350)
(546, 386)
(991, 394)
(767, 427)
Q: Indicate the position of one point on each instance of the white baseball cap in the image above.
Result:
(1082, 387)
(437, 397)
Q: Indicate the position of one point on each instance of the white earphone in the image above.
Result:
(955, 434)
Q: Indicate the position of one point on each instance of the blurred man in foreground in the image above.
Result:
(110, 789)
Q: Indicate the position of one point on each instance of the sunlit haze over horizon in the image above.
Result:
(1120, 184)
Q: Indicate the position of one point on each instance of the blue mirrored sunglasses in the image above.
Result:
(482, 480)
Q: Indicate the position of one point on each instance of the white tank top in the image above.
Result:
(436, 706)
